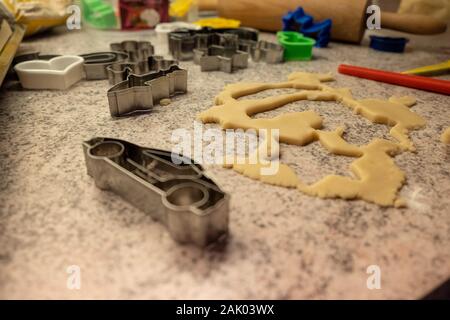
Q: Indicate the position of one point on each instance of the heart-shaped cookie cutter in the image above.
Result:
(58, 73)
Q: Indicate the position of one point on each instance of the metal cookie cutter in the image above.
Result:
(170, 188)
(242, 33)
(139, 93)
(163, 29)
(95, 64)
(268, 52)
(182, 42)
(136, 50)
(33, 55)
(119, 72)
(218, 58)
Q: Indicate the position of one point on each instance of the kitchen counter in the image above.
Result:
(282, 244)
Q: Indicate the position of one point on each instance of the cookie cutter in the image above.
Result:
(169, 187)
(297, 20)
(163, 29)
(388, 44)
(320, 31)
(27, 56)
(119, 72)
(136, 50)
(266, 51)
(183, 42)
(33, 55)
(96, 63)
(303, 23)
(296, 46)
(243, 33)
(139, 93)
(58, 73)
(219, 58)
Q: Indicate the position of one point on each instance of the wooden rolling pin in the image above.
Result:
(349, 16)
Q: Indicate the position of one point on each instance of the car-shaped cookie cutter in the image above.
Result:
(118, 72)
(169, 187)
(139, 93)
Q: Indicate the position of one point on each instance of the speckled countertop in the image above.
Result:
(282, 244)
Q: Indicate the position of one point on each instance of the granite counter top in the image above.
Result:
(287, 245)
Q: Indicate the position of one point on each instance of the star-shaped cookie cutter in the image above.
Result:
(118, 72)
(139, 93)
(219, 58)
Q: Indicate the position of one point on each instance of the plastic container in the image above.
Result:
(388, 44)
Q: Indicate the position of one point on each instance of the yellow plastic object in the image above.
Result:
(180, 8)
(433, 70)
(37, 25)
(218, 23)
(10, 49)
(47, 14)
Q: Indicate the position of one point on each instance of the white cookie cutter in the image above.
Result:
(58, 73)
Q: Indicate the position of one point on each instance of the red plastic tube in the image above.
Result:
(410, 81)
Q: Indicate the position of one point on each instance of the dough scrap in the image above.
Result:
(394, 112)
(445, 138)
(378, 178)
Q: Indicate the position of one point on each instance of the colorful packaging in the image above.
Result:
(143, 14)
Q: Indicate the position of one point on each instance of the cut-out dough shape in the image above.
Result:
(379, 179)
(445, 138)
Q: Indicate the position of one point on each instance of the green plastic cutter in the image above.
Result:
(297, 47)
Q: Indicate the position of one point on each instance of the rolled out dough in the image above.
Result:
(446, 136)
(379, 179)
